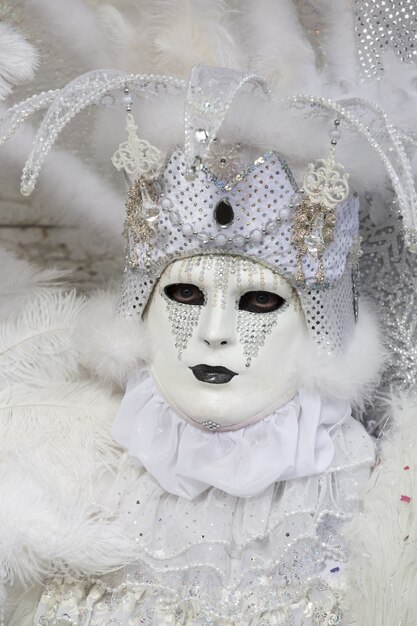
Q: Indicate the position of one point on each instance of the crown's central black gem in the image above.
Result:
(223, 213)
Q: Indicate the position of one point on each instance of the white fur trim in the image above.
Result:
(109, 344)
(353, 374)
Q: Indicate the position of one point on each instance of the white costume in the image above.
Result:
(188, 451)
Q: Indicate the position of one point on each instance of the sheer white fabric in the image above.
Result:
(293, 442)
(219, 559)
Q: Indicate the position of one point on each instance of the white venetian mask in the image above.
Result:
(226, 336)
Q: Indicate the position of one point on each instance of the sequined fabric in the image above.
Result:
(388, 272)
(220, 560)
(261, 198)
(382, 26)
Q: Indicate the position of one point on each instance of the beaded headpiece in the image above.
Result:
(211, 198)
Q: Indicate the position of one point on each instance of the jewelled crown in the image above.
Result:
(217, 200)
(212, 198)
(257, 213)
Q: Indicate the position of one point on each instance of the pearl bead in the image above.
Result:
(238, 240)
(256, 235)
(187, 230)
(220, 240)
(166, 203)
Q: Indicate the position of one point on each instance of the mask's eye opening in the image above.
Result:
(185, 293)
(260, 302)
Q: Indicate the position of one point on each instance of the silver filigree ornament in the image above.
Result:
(142, 220)
(222, 159)
(137, 157)
(324, 187)
(142, 162)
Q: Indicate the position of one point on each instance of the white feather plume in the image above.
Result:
(21, 280)
(337, 39)
(383, 540)
(35, 340)
(275, 45)
(18, 59)
(55, 441)
(41, 531)
(170, 36)
(90, 201)
(76, 25)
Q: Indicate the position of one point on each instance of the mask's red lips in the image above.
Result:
(216, 375)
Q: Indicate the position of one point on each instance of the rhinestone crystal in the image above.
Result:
(201, 135)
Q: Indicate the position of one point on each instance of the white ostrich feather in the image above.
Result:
(56, 450)
(69, 421)
(169, 37)
(20, 280)
(124, 39)
(37, 323)
(92, 202)
(18, 59)
(36, 339)
(275, 45)
(76, 25)
(337, 39)
(383, 540)
(40, 532)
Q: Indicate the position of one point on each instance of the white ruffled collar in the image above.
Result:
(292, 442)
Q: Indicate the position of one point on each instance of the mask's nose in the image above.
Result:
(218, 326)
(216, 343)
